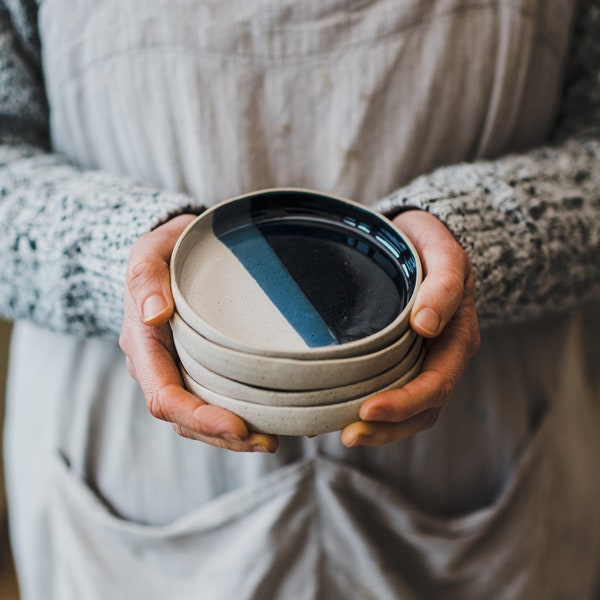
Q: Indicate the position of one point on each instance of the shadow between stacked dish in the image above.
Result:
(292, 306)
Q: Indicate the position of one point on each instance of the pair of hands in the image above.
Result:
(444, 312)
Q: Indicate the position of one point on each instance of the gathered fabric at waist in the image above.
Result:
(114, 474)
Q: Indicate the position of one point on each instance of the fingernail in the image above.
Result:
(357, 434)
(360, 440)
(428, 321)
(353, 441)
(259, 448)
(230, 437)
(153, 307)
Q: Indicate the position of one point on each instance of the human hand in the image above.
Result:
(148, 345)
(444, 312)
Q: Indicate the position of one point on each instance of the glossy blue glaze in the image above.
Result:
(336, 271)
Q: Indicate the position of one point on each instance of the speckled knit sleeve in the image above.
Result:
(65, 234)
(530, 223)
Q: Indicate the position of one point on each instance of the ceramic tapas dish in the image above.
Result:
(295, 273)
(294, 420)
(234, 389)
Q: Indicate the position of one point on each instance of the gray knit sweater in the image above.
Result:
(529, 222)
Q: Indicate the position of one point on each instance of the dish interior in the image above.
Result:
(297, 270)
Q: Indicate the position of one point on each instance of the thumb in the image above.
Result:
(148, 277)
(446, 268)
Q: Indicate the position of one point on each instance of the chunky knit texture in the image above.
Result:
(529, 222)
(66, 233)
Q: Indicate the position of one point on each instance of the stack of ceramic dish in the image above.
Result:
(292, 307)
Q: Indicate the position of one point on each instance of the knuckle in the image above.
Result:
(453, 283)
(457, 256)
(182, 432)
(137, 271)
(443, 388)
(155, 403)
(141, 272)
(471, 337)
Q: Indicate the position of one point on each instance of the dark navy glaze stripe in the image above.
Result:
(249, 246)
(345, 277)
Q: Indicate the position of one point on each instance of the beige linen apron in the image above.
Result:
(221, 97)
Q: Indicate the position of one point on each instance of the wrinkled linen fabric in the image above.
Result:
(530, 220)
(200, 101)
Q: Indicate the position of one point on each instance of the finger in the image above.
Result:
(445, 265)
(360, 433)
(148, 278)
(255, 442)
(429, 389)
(167, 400)
(446, 360)
(176, 405)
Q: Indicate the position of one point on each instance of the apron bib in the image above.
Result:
(221, 97)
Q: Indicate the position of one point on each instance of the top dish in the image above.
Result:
(295, 273)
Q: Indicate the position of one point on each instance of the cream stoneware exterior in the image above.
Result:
(294, 420)
(287, 373)
(239, 391)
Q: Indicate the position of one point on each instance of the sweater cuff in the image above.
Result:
(68, 234)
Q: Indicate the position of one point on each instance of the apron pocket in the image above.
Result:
(248, 543)
(386, 545)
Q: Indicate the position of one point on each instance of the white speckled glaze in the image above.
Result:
(239, 391)
(287, 373)
(294, 420)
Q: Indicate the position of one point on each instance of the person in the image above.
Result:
(473, 125)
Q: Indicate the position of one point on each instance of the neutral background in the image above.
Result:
(8, 586)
